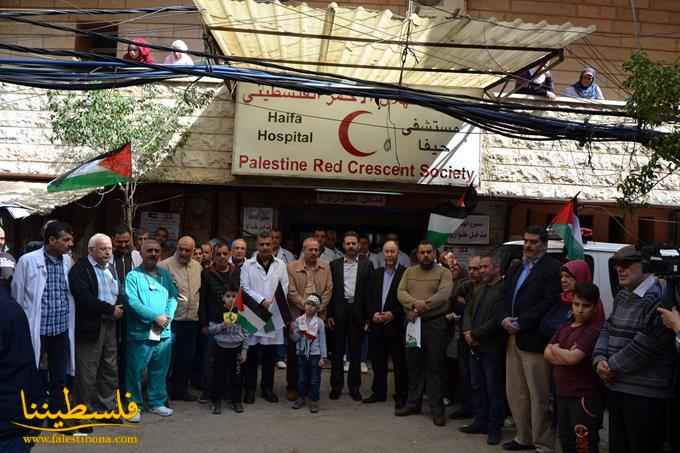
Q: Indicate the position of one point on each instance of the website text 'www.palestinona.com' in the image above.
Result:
(61, 439)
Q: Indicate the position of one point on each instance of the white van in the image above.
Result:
(598, 256)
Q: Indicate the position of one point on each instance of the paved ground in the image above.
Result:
(342, 426)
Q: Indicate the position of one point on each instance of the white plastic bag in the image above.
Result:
(413, 334)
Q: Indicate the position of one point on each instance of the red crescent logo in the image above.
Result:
(343, 134)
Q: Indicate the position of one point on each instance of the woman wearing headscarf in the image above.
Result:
(177, 56)
(528, 82)
(139, 52)
(585, 88)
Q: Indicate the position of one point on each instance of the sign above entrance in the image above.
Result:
(296, 134)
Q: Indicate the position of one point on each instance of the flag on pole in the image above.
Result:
(252, 317)
(568, 227)
(104, 170)
(440, 227)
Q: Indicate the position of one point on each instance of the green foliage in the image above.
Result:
(654, 102)
(102, 120)
(106, 119)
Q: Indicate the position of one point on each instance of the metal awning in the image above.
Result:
(22, 199)
(441, 51)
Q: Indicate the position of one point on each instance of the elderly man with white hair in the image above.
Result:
(99, 306)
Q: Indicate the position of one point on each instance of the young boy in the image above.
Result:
(229, 350)
(579, 401)
(309, 334)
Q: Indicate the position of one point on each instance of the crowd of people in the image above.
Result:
(529, 340)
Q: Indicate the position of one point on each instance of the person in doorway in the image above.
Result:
(40, 286)
(239, 250)
(140, 236)
(424, 293)
(162, 237)
(206, 255)
(284, 255)
(178, 56)
(186, 274)
(483, 333)
(229, 349)
(532, 288)
(579, 402)
(138, 52)
(309, 336)
(260, 278)
(99, 307)
(346, 315)
(379, 259)
(332, 242)
(7, 265)
(152, 301)
(635, 358)
(306, 276)
(386, 328)
(325, 254)
(585, 87)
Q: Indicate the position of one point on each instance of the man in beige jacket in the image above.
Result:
(424, 292)
(185, 328)
(305, 276)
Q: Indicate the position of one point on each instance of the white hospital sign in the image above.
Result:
(291, 133)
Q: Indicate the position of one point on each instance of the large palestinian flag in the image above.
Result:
(104, 170)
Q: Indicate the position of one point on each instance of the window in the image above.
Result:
(646, 230)
(616, 232)
(98, 45)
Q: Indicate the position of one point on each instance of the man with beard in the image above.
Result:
(424, 292)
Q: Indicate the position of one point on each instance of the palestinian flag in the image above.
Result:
(567, 226)
(253, 317)
(440, 227)
(104, 170)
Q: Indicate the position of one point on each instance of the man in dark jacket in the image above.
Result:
(483, 333)
(346, 312)
(17, 373)
(386, 328)
(531, 289)
(98, 308)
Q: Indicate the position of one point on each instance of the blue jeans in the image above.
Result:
(14, 445)
(309, 376)
(488, 394)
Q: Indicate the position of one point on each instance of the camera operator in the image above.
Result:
(634, 356)
(671, 319)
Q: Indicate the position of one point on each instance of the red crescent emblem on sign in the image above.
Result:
(343, 134)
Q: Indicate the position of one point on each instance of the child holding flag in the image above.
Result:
(309, 334)
(230, 350)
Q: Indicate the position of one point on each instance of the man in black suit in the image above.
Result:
(98, 308)
(532, 288)
(386, 328)
(346, 312)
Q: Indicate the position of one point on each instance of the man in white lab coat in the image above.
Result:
(260, 276)
(40, 286)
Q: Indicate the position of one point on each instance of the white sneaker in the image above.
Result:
(162, 411)
(346, 367)
(281, 365)
(137, 418)
(364, 367)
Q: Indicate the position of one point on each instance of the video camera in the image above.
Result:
(662, 261)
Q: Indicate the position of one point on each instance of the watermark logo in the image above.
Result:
(75, 416)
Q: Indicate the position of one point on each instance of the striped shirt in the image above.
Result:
(636, 345)
(54, 304)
